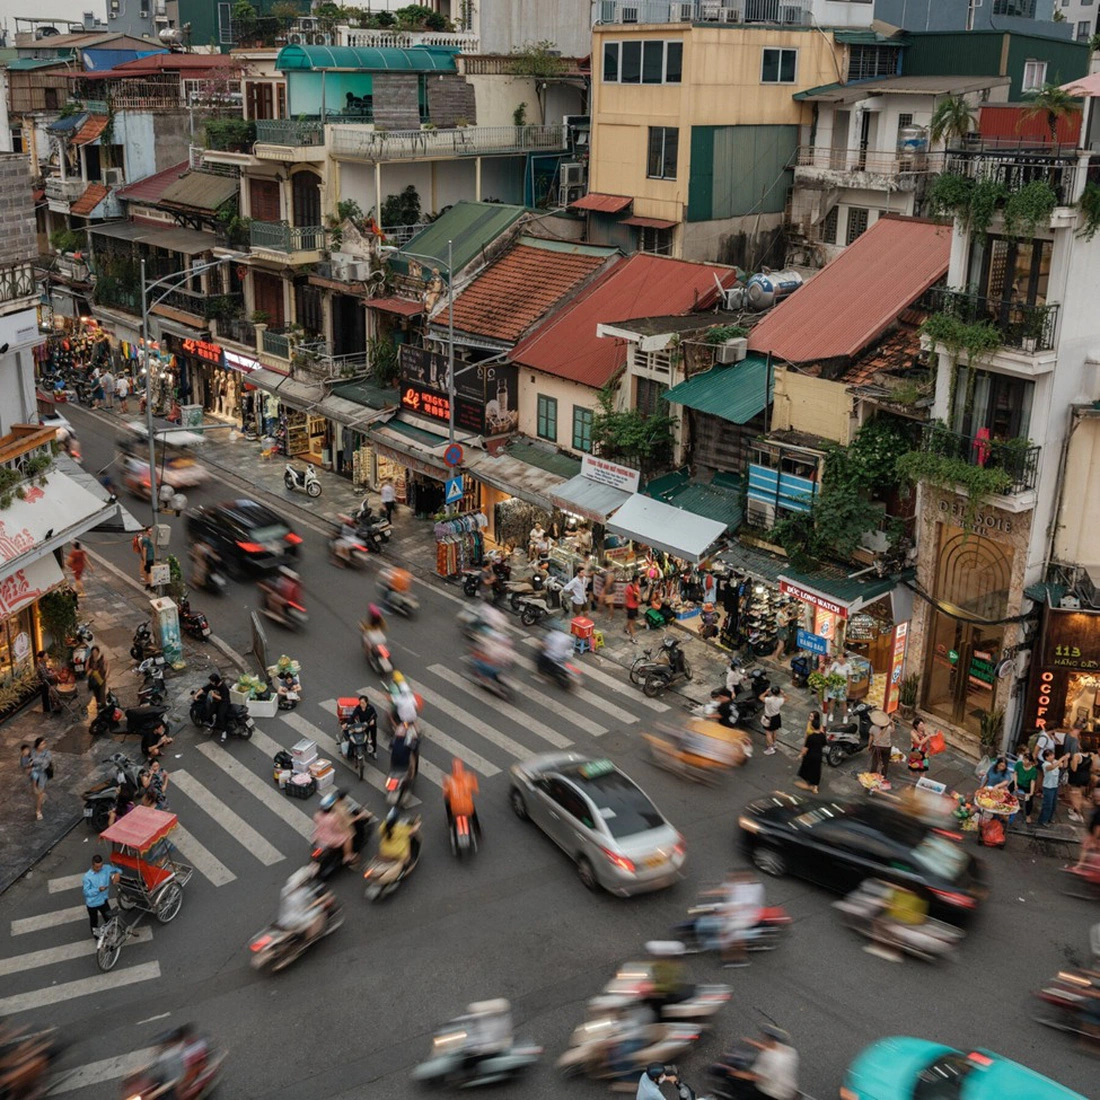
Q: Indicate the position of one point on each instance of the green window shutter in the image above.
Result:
(701, 182)
(582, 429)
(546, 426)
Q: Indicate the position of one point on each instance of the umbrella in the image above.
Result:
(1086, 86)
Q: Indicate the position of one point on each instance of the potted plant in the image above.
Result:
(991, 723)
(907, 696)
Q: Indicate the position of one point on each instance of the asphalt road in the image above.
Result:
(353, 1016)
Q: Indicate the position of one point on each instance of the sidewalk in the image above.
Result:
(115, 605)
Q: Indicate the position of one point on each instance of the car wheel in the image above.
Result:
(519, 806)
(769, 860)
(586, 874)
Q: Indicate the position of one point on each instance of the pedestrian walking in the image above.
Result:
(107, 379)
(1052, 778)
(47, 678)
(38, 764)
(773, 718)
(122, 392)
(154, 781)
(577, 591)
(882, 743)
(1080, 774)
(813, 750)
(97, 390)
(96, 667)
(96, 885)
(632, 598)
(1027, 779)
(388, 496)
(146, 550)
(918, 747)
(77, 563)
(839, 694)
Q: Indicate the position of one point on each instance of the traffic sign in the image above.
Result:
(454, 490)
(453, 455)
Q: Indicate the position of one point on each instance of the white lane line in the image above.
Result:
(66, 882)
(67, 951)
(232, 823)
(274, 799)
(468, 721)
(67, 991)
(525, 721)
(201, 858)
(48, 920)
(556, 706)
(108, 1069)
(586, 696)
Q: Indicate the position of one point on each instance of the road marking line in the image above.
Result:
(66, 882)
(232, 823)
(109, 1069)
(201, 858)
(556, 706)
(50, 955)
(271, 797)
(586, 696)
(67, 991)
(48, 920)
(523, 720)
(467, 720)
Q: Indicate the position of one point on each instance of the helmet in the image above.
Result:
(328, 800)
(393, 817)
(655, 1071)
(374, 612)
(398, 679)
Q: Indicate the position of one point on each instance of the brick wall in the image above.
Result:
(395, 101)
(17, 232)
(450, 99)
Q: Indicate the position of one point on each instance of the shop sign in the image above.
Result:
(813, 598)
(243, 363)
(862, 628)
(21, 647)
(982, 672)
(983, 521)
(1071, 640)
(812, 643)
(825, 623)
(204, 350)
(609, 473)
(897, 666)
(486, 396)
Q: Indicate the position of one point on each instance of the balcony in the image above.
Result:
(1018, 458)
(361, 143)
(26, 450)
(237, 330)
(18, 282)
(291, 139)
(60, 193)
(1024, 327)
(1064, 170)
(865, 169)
(291, 243)
(791, 13)
(109, 292)
(191, 302)
(465, 41)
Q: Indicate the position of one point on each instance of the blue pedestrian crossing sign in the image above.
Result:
(454, 490)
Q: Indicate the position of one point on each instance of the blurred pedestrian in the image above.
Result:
(146, 550)
(96, 885)
(632, 598)
(773, 717)
(46, 678)
(813, 750)
(577, 591)
(122, 392)
(107, 380)
(388, 495)
(881, 742)
(77, 563)
(1090, 842)
(96, 668)
(1052, 778)
(38, 764)
(1080, 774)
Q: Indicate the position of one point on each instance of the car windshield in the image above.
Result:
(268, 534)
(622, 806)
(943, 1079)
(940, 856)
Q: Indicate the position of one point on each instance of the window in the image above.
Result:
(655, 241)
(651, 397)
(867, 62)
(308, 310)
(50, 99)
(652, 61)
(622, 806)
(1024, 9)
(829, 225)
(1035, 76)
(857, 223)
(1083, 29)
(422, 98)
(225, 24)
(582, 429)
(664, 144)
(263, 197)
(570, 801)
(903, 121)
(546, 426)
(778, 66)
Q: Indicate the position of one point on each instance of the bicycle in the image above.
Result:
(112, 938)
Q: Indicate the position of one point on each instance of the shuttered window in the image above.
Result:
(263, 197)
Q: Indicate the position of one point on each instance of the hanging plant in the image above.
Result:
(972, 200)
(987, 195)
(977, 339)
(1028, 209)
(1089, 205)
(952, 474)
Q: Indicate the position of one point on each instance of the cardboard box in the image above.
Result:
(263, 708)
(325, 778)
(318, 766)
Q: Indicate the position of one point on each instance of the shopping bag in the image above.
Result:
(936, 743)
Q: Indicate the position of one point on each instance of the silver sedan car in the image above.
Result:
(601, 819)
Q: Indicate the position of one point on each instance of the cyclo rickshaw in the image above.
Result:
(700, 751)
(178, 466)
(151, 879)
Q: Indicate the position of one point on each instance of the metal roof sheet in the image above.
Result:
(857, 296)
(512, 475)
(150, 189)
(469, 226)
(901, 85)
(648, 223)
(591, 499)
(544, 457)
(566, 344)
(200, 191)
(401, 306)
(366, 59)
(675, 530)
(832, 582)
(191, 242)
(602, 204)
(719, 500)
(365, 392)
(734, 393)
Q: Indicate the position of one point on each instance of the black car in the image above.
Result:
(839, 844)
(247, 536)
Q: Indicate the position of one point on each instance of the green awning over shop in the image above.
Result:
(734, 393)
(545, 458)
(719, 500)
(364, 392)
(366, 59)
(853, 592)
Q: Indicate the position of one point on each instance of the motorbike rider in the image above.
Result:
(404, 710)
(353, 817)
(670, 983)
(736, 676)
(216, 693)
(489, 1030)
(364, 714)
(345, 538)
(395, 839)
(302, 903)
(649, 1084)
(491, 653)
(205, 561)
(395, 583)
(773, 1074)
(459, 789)
(738, 912)
(374, 627)
(902, 912)
(286, 589)
(725, 713)
(404, 751)
(333, 830)
(557, 648)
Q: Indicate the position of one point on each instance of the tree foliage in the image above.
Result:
(639, 440)
(952, 119)
(1054, 104)
(400, 209)
(538, 59)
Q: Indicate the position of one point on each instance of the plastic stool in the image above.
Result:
(582, 645)
(597, 640)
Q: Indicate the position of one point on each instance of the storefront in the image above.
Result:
(20, 631)
(1064, 688)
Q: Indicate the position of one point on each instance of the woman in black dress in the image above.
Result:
(809, 771)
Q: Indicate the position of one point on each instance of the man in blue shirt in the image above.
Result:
(649, 1086)
(96, 885)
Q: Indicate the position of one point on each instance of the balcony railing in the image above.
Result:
(237, 330)
(26, 444)
(402, 40)
(792, 13)
(64, 190)
(276, 342)
(290, 131)
(110, 293)
(400, 235)
(1018, 458)
(18, 281)
(280, 237)
(1014, 168)
(186, 301)
(471, 141)
(1026, 327)
(866, 160)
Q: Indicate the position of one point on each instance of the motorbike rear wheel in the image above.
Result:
(313, 488)
(835, 756)
(530, 615)
(655, 684)
(469, 586)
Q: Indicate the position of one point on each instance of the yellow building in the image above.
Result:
(697, 125)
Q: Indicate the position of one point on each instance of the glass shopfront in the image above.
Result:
(1065, 674)
(17, 645)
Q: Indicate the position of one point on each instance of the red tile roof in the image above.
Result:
(566, 344)
(92, 197)
(603, 204)
(90, 129)
(898, 350)
(857, 296)
(150, 189)
(401, 306)
(510, 295)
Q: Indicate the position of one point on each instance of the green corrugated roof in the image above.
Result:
(366, 59)
(469, 226)
(834, 581)
(720, 500)
(370, 394)
(421, 435)
(1039, 593)
(757, 563)
(553, 462)
(25, 63)
(735, 393)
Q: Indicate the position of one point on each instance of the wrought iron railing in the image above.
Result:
(468, 141)
(17, 281)
(1026, 327)
(1018, 458)
(1015, 168)
(237, 330)
(281, 237)
(400, 235)
(867, 160)
(276, 342)
(186, 301)
(110, 293)
(290, 131)
(784, 12)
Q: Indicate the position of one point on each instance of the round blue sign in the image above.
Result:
(453, 455)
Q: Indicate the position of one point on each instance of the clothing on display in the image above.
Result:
(459, 543)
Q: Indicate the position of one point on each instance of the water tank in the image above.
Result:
(767, 288)
(912, 141)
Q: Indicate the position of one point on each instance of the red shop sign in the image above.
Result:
(813, 598)
(202, 349)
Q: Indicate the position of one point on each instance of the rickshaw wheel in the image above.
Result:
(169, 904)
(110, 945)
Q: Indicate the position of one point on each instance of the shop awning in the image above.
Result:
(735, 393)
(827, 587)
(28, 584)
(677, 532)
(518, 478)
(402, 306)
(602, 204)
(414, 447)
(648, 223)
(719, 499)
(584, 497)
(189, 242)
(119, 519)
(314, 400)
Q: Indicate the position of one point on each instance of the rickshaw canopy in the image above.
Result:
(172, 437)
(140, 829)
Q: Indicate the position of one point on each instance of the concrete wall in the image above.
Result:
(18, 237)
(747, 242)
(506, 25)
(532, 384)
(449, 99)
(17, 401)
(1077, 539)
(806, 404)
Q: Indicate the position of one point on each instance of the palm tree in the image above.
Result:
(1056, 104)
(952, 120)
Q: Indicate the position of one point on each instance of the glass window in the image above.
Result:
(829, 225)
(664, 142)
(1035, 76)
(651, 397)
(630, 71)
(422, 98)
(778, 66)
(1012, 272)
(904, 120)
(582, 429)
(674, 62)
(570, 801)
(622, 806)
(546, 426)
(611, 62)
(1083, 29)
(996, 402)
(656, 241)
(857, 223)
(653, 62)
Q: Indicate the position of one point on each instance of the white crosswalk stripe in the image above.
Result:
(83, 987)
(31, 960)
(525, 721)
(48, 920)
(107, 1069)
(557, 707)
(586, 696)
(231, 822)
(469, 721)
(201, 858)
(66, 882)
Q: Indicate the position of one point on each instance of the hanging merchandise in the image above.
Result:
(516, 519)
(460, 543)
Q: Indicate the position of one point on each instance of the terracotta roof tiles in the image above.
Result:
(92, 197)
(150, 189)
(897, 351)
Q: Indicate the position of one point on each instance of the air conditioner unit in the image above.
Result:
(572, 173)
(320, 39)
(114, 177)
(306, 24)
(296, 39)
(732, 15)
(732, 351)
(761, 513)
(357, 272)
(341, 272)
(569, 195)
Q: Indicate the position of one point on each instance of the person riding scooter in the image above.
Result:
(404, 709)
(395, 839)
(773, 1073)
(395, 585)
(459, 789)
(491, 653)
(287, 589)
(217, 700)
(344, 539)
(303, 902)
(364, 714)
(489, 1029)
(557, 648)
(332, 831)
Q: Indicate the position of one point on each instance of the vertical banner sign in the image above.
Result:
(897, 666)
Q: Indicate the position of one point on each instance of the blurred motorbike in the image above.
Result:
(863, 910)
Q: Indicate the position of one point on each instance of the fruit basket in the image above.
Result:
(999, 801)
(873, 781)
